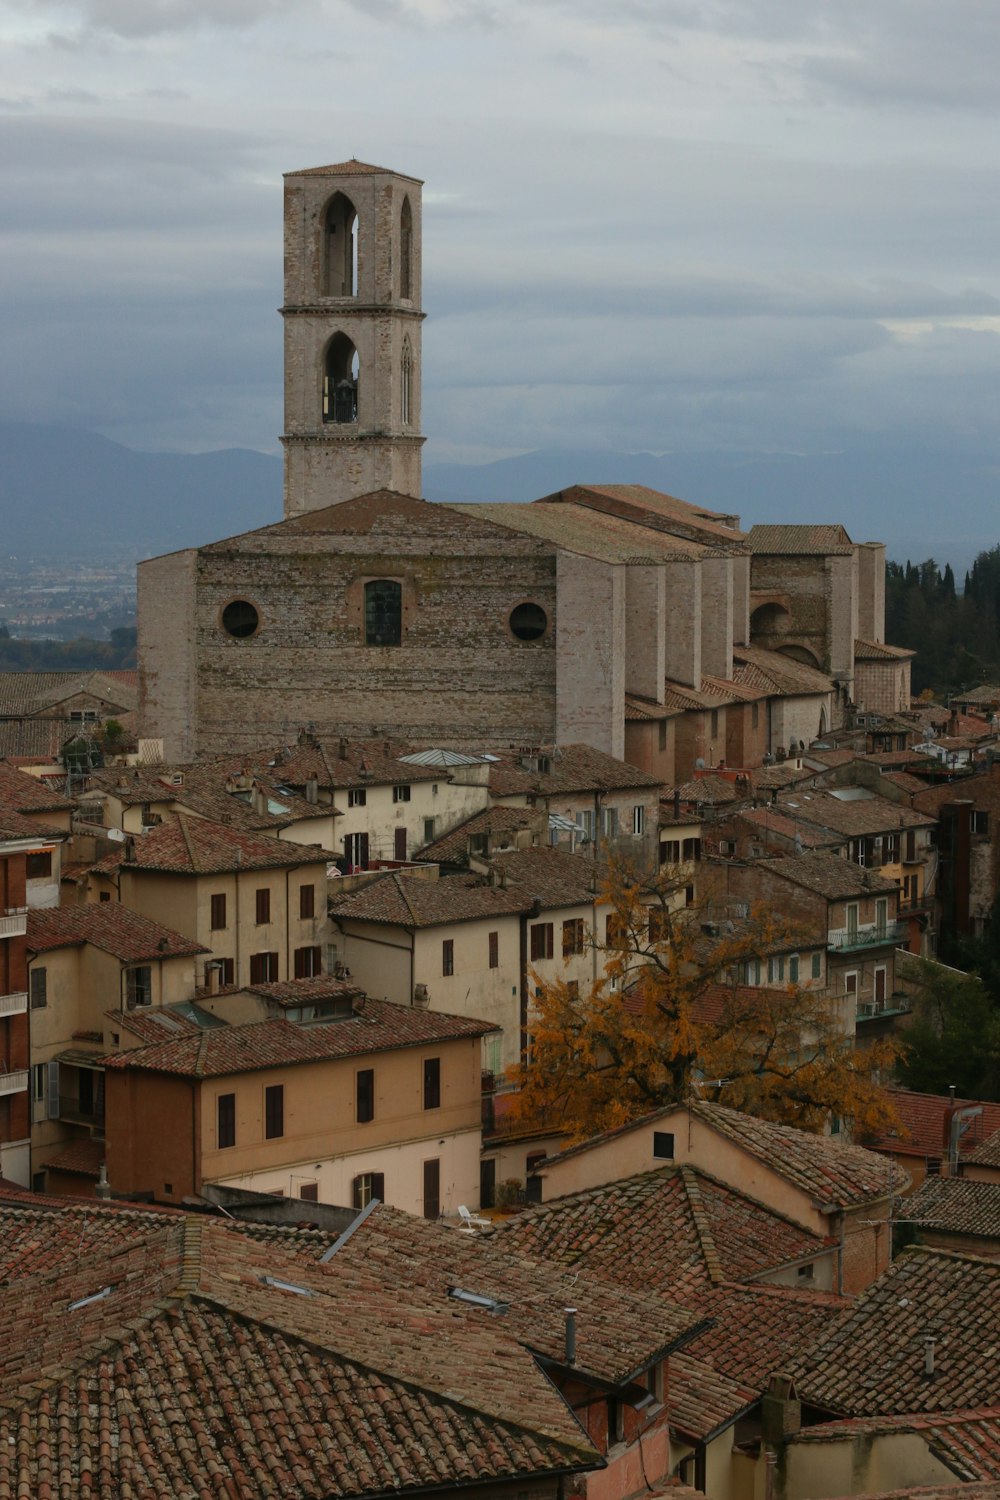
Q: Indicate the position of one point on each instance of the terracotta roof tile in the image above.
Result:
(788, 540)
(109, 926)
(987, 1154)
(854, 817)
(380, 1026)
(499, 823)
(351, 168)
(579, 529)
(571, 768)
(957, 1205)
(879, 651)
(408, 901)
(871, 1361)
(829, 875)
(968, 1442)
(653, 508)
(198, 846)
(779, 674)
(922, 1124)
(27, 794)
(82, 1158)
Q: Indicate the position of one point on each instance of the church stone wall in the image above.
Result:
(459, 676)
(591, 653)
(166, 628)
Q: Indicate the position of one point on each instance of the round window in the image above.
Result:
(240, 619)
(528, 622)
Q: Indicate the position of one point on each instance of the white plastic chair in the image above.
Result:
(471, 1223)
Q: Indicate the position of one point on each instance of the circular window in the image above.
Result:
(528, 622)
(240, 619)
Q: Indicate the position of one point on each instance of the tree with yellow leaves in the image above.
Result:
(664, 1023)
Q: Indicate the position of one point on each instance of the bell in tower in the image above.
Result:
(352, 334)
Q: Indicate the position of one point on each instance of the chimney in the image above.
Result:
(342, 749)
(571, 1335)
(312, 791)
(929, 1343)
(212, 976)
(103, 1186)
(780, 1410)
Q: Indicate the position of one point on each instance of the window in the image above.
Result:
(356, 851)
(659, 924)
(528, 622)
(309, 1192)
(609, 822)
(615, 931)
(494, 948)
(340, 380)
(663, 1144)
(307, 902)
(406, 250)
(432, 1188)
(263, 907)
(263, 968)
(218, 918)
(406, 384)
(851, 983)
(274, 1111)
(447, 957)
(38, 866)
(227, 970)
(225, 1121)
(367, 1186)
(139, 986)
(572, 937)
(910, 890)
(689, 895)
(691, 849)
(981, 822)
(39, 1083)
(639, 819)
(852, 920)
(573, 990)
(401, 794)
(670, 852)
(357, 796)
(429, 829)
(340, 248)
(793, 969)
(882, 914)
(817, 966)
(38, 987)
(775, 970)
(432, 1083)
(105, 895)
(399, 844)
(365, 1095)
(541, 941)
(308, 962)
(587, 824)
(383, 612)
(240, 619)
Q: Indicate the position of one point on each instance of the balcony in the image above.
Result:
(14, 1083)
(14, 1005)
(72, 1112)
(866, 935)
(14, 922)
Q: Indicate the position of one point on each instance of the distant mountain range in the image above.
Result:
(66, 492)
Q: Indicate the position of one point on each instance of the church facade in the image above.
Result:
(607, 614)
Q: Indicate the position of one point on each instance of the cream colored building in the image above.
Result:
(84, 961)
(257, 905)
(381, 1102)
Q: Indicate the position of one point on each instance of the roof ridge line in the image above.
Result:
(185, 835)
(401, 888)
(703, 1229)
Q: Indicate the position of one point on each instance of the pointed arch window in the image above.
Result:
(340, 380)
(340, 248)
(406, 384)
(406, 250)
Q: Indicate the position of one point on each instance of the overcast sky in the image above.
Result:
(648, 224)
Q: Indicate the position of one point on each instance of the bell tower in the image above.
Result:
(352, 334)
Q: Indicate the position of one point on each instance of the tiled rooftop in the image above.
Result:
(957, 1205)
(921, 1129)
(778, 673)
(871, 1361)
(677, 1231)
(29, 794)
(407, 901)
(967, 1441)
(577, 528)
(651, 507)
(501, 823)
(107, 925)
(829, 875)
(879, 651)
(276, 1043)
(198, 846)
(788, 540)
(987, 1154)
(350, 168)
(853, 817)
(572, 768)
(833, 1173)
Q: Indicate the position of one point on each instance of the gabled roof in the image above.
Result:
(777, 673)
(572, 768)
(408, 901)
(922, 1124)
(828, 875)
(879, 651)
(988, 1153)
(199, 846)
(853, 817)
(677, 1231)
(871, 1362)
(653, 508)
(380, 1026)
(957, 1205)
(107, 925)
(494, 821)
(576, 528)
(28, 794)
(788, 541)
(834, 1174)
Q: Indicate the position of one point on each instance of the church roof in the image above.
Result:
(654, 508)
(577, 528)
(351, 168)
(785, 541)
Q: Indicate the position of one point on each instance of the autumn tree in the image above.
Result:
(660, 1023)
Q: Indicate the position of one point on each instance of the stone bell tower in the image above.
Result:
(352, 334)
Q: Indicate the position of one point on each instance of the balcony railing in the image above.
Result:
(14, 1083)
(70, 1111)
(14, 1005)
(14, 922)
(866, 935)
